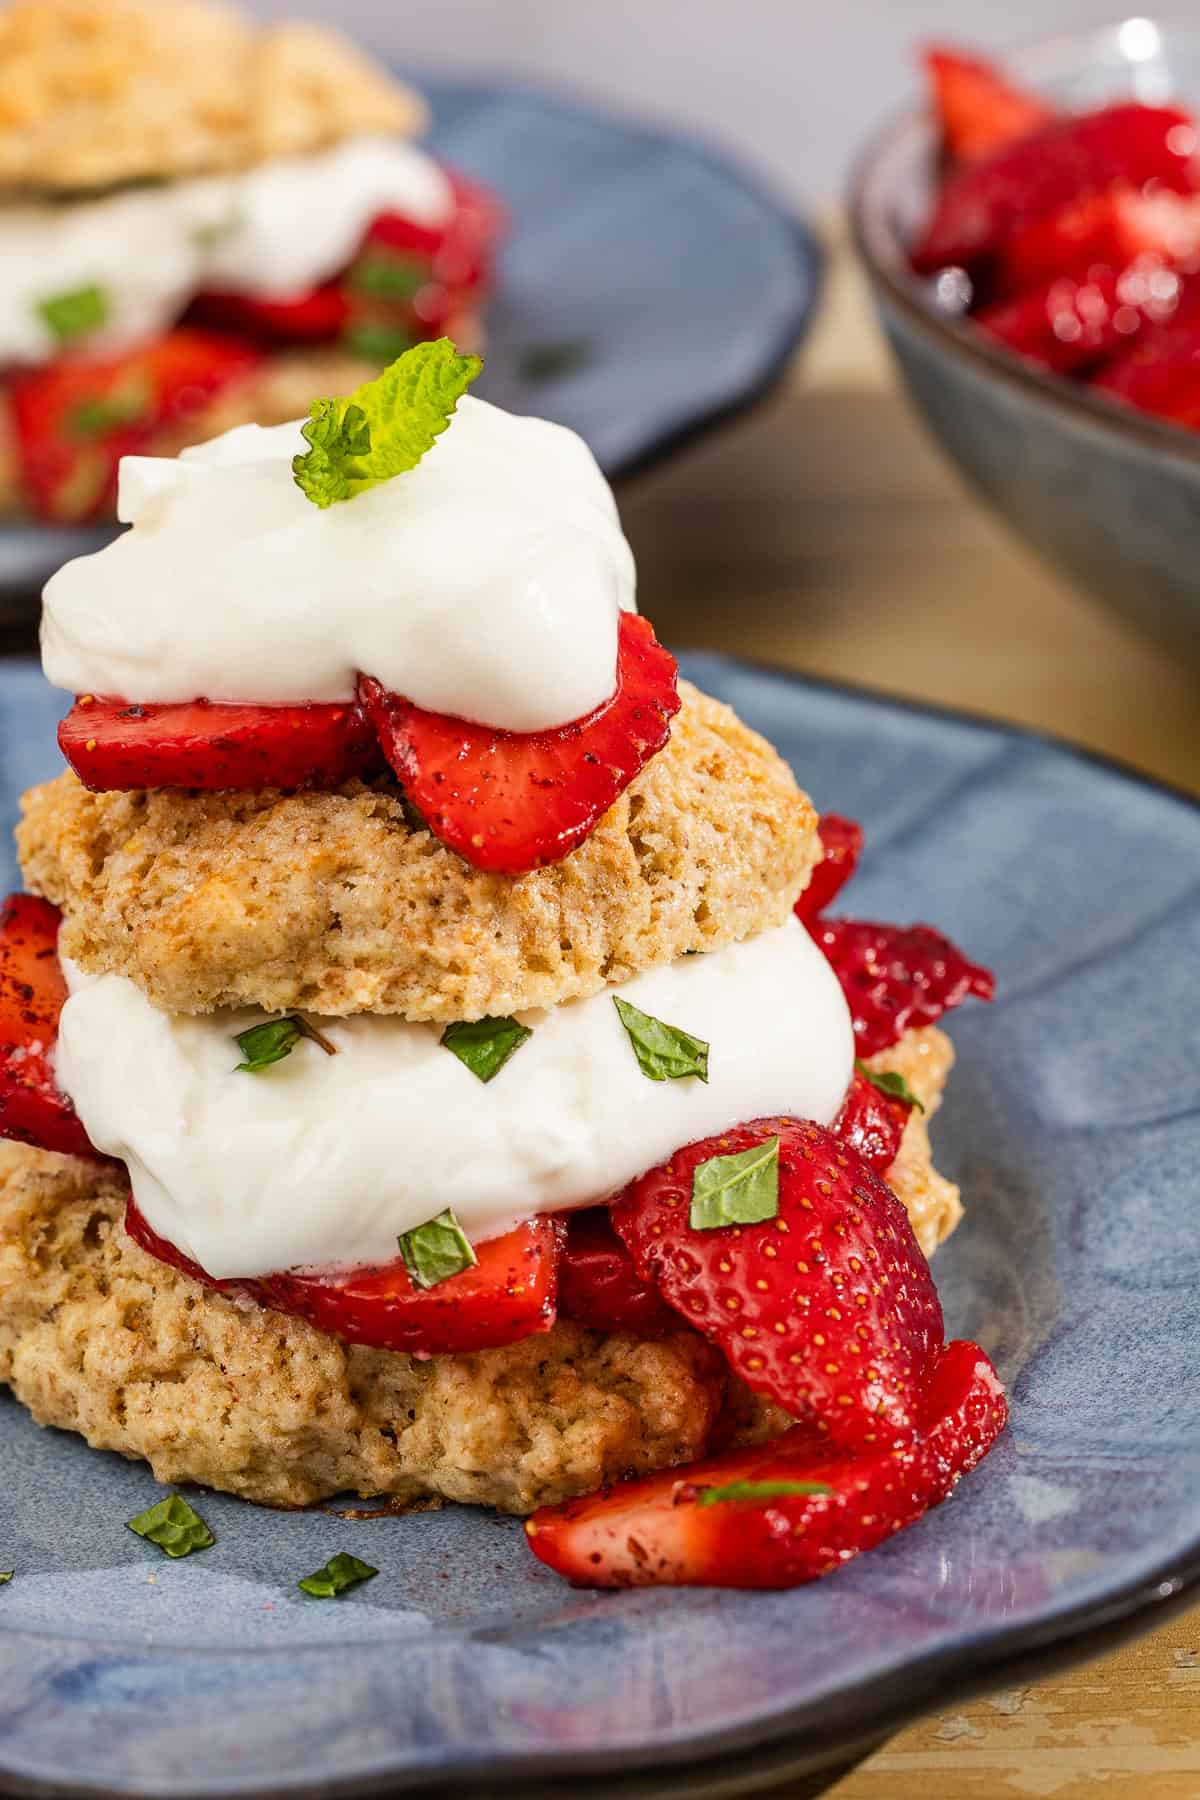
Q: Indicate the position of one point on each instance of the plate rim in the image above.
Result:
(806, 1737)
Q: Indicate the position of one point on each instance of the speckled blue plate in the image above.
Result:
(649, 287)
(1072, 1124)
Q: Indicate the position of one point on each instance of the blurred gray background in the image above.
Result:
(793, 84)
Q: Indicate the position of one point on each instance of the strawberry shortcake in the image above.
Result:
(434, 1061)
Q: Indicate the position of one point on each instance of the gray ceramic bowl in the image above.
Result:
(1109, 495)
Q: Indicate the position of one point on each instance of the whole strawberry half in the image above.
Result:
(978, 108)
(828, 1307)
(841, 847)
(200, 744)
(513, 801)
(781, 1514)
(33, 1108)
(871, 1123)
(897, 978)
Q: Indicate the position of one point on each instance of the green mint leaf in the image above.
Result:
(760, 1490)
(736, 1190)
(485, 1045)
(217, 231)
(384, 427)
(435, 1251)
(340, 1572)
(894, 1086)
(552, 362)
(98, 416)
(6, 1576)
(74, 314)
(664, 1052)
(269, 1043)
(389, 275)
(377, 343)
(174, 1527)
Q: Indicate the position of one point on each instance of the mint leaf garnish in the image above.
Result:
(269, 1043)
(389, 275)
(377, 343)
(72, 315)
(894, 1086)
(340, 1572)
(664, 1052)
(435, 1251)
(174, 1526)
(385, 426)
(104, 413)
(6, 1576)
(736, 1190)
(760, 1490)
(485, 1045)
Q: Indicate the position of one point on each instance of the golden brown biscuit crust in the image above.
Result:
(336, 904)
(99, 1338)
(97, 92)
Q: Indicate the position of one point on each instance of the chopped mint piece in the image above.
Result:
(894, 1086)
(435, 1251)
(377, 343)
(664, 1052)
(340, 1572)
(6, 1576)
(485, 1045)
(216, 231)
(385, 426)
(174, 1526)
(736, 1190)
(269, 1043)
(760, 1490)
(108, 412)
(389, 275)
(72, 315)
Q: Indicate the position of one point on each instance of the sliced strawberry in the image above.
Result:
(508, 1295)
(667, 1529)
(871, 1123)
(897, 978)
(978, 108)
(1159, 375)
(829, 1307)
(201, 744)
(600, 1288)
(514, 801)
(841, 843)
(982, 207)
(1119, 228)
(1066, 326)
(312, 317)
(459, 253)
(33, 1108)
(76, 418)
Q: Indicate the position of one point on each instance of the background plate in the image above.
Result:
(649, 288)
(1073, 1125)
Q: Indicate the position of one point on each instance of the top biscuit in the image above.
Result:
(97, 92)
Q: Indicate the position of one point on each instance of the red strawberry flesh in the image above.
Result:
(660, 1529)
(841, 847)
(201, 744)
(829, 1307)
(978, 108)
(600, 1288)
(33, 1109)
(514, 801)
(897, 978)
(871, 1123)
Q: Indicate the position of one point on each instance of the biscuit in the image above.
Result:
(335, 903)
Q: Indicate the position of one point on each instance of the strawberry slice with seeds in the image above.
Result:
(599, 1286)
(76, 418)
(513, 801)
(828, 1306)
(784, 1513)
(841, 845)
(204, 744)
(507, 1295)
(982, 207)
(897, 978)
(33, 1108)
(979, 109)
(871, 1123)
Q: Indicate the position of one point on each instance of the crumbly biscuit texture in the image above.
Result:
(925, 1059)
(97, 92)
(98, 1337)
(336, 904)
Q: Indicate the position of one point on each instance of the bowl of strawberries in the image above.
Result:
(1032, 239)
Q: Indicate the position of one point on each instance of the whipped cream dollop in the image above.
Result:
(269, 232)
(487, 582)
(324, 1160)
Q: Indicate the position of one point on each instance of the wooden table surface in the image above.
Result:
(826, 533)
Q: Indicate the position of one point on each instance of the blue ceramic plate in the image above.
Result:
(1072, 1124)
(649, 288)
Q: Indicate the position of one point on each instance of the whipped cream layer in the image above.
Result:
(487, 582)
(269, 232)
(324, 1160)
